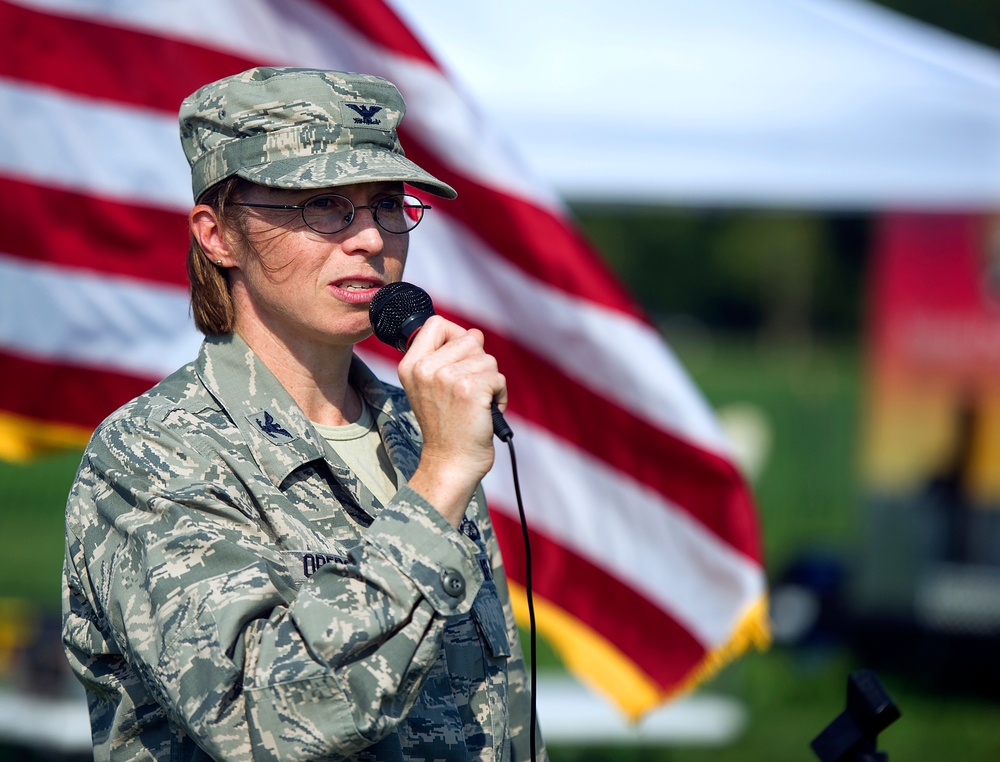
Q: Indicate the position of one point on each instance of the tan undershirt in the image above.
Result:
(361, 448)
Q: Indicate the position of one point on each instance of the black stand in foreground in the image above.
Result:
(851, 737)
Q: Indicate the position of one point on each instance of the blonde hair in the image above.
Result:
(211, 300)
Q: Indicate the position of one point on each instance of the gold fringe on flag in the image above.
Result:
(25, 439)
(602, 666)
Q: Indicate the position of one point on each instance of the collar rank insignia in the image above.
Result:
(274, 430)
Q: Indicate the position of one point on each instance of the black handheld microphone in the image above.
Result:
(397, 312)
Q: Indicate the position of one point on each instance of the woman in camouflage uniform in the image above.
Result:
(272, 554)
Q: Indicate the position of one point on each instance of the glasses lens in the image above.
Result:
(398, 214)
(328, 213)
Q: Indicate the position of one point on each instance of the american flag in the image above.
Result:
(647, 563)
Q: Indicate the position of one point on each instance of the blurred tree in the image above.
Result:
(774, 259)
(779, 274)
(977, 20)
(663, 255)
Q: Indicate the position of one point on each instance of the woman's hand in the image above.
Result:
(451, 383)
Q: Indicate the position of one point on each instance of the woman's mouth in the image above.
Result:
(356, 290)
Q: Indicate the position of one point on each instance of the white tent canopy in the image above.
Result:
(808, 103)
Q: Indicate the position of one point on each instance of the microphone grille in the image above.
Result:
(392, 306)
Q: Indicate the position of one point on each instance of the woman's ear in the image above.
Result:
(208, 230)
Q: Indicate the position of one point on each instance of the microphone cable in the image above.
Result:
(533, 672)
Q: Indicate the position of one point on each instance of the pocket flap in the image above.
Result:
(488, 613)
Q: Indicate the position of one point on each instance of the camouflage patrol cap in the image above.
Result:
(297, 128)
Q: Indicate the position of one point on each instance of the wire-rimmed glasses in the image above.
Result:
(330, 213)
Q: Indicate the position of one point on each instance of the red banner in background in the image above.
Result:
(647, 566)
(925, 585)
(934, 352)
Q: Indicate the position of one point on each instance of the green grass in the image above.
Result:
(791, 699)
(32, 500)
(807, 497)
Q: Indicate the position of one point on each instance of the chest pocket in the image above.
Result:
(488, 616)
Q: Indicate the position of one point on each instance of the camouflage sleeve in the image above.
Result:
(519, 695)
(191, 590)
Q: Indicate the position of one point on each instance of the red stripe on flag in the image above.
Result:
(62, 228)
(133, 67)
(607, 606)
(72, 394)
(380, 24)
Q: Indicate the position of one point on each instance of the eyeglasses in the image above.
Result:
(330, 213)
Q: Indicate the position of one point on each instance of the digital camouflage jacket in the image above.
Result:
(232, 592)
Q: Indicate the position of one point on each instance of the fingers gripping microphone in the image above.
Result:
(397, 312)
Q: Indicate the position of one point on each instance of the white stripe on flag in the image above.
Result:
(92, 147)
(94, 320)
